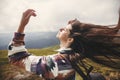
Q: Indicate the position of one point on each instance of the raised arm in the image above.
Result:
(25, 19)
(16, 48)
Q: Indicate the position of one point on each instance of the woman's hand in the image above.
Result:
(74, 57)
(25, 19)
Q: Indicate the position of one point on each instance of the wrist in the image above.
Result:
(18, 38)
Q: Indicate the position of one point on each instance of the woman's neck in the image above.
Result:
(64, 45)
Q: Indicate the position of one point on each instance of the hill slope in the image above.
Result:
(10, 72)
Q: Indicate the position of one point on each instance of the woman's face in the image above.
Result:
(63, 33)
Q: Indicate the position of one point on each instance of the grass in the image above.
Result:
(10, 72)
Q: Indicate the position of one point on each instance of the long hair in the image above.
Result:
(99, 43)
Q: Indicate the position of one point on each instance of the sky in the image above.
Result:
(54, 14)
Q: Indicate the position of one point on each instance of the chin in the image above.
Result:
(57, 36)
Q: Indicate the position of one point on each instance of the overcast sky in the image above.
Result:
(53, 14)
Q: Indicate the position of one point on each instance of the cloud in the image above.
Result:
(53, 14)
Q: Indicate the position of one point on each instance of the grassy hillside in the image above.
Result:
(10, 72)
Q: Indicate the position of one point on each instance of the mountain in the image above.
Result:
(32, 40)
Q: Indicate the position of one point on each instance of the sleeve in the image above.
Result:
(17, 44)
(16, 49)
(19, 56)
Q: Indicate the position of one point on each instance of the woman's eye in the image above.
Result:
(61, 29)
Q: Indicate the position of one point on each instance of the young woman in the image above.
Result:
(77, 41)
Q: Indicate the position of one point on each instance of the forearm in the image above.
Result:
(17, 44)
(22, 24)
(25, 19)
(21, 29)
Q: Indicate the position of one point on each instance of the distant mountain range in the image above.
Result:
(32, 40)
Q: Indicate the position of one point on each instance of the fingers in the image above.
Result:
(74, 57)
(29, 13)
(32, 13)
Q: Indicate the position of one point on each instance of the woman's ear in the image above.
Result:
(70, 40)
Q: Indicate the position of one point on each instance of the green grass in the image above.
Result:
(44, 51)
(9, 72)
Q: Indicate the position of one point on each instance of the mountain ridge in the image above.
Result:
(32, 40)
